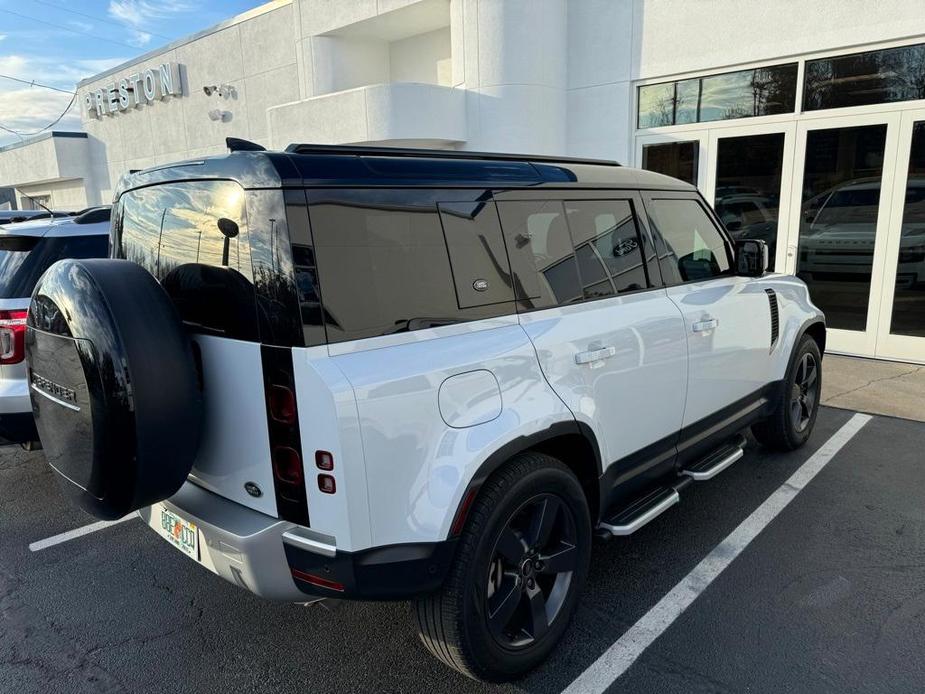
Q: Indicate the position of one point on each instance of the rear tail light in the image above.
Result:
(324, 460)
(281, 401)
(13, 336)
(327, 484)
(287, 464)
(285, 439)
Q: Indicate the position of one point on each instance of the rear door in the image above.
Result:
(727, 319)
(608, 338)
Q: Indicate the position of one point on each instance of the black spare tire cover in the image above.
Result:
(113, 384)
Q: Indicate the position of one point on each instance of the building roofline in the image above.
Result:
(173, 45)
(44, 136)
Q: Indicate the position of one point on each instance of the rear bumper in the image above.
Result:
(279, 560)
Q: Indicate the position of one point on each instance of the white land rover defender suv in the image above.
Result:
(386, 374)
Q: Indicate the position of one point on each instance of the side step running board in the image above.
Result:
(709, 467)
(637, 515)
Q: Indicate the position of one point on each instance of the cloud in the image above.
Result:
(138, 15)
(30, 109)
(2, 36)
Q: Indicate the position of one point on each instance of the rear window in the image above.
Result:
(23, 259)
(384, 266)
(192, 236)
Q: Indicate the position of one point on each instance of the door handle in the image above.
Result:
(703, 326)
(593, 355)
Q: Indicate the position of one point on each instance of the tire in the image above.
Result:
(115, 390)
(465, 624)
(794, 416)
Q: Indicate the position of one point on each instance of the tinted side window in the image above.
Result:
(695, 248)
(384, 269)
(542, 257)
(608, 246)
(174, 232)
(481, 272)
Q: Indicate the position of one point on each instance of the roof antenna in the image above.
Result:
(236, 144)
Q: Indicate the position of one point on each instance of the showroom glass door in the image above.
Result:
(901, 329)
(840, 221)
(749, 183)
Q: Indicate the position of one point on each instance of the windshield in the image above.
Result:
(23, 259)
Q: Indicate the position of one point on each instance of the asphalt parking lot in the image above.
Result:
(829, 597)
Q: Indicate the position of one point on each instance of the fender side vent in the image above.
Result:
(775, 316)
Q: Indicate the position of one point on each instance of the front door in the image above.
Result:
(727, 318)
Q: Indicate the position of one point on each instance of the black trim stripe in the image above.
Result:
(291, 500)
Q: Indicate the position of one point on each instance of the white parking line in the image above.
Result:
(77, 532)
(623, 653)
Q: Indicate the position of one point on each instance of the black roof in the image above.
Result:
(309, 165)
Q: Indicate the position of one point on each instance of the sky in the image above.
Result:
(59, 42)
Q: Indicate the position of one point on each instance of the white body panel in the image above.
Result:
(328, 421)
(234, 448)
(634, 394)
(728, 327)
(417, 466)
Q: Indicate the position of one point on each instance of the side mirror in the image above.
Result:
(751, 258)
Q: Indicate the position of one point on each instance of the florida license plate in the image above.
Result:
(179, 532)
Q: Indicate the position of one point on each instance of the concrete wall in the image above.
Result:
(64, 195)
(255, 54)
(52, 164)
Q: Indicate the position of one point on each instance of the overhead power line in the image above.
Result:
(95, 18)
(67, 28)
(33, 83)
(57, 120)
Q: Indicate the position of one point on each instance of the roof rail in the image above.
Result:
(360, 150)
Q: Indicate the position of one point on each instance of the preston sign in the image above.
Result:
(143, 87)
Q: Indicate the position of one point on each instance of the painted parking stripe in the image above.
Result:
(624, 652)
(77, 532)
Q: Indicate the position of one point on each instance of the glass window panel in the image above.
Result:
(761, 91)
(481, 272)
(688, 102)
(838, 220)
(542, 257)
(676, 159)
(696, 250)
(656, 105)
(608, 246)
(173, 231)
(748, 179)
(384, 270)
(909, 298)
(874, 77)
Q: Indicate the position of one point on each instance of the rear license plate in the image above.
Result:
(179, 532)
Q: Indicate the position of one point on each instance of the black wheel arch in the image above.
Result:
(571, 442)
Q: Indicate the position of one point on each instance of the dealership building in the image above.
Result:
(803, 123)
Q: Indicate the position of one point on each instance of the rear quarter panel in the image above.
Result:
(417, 465)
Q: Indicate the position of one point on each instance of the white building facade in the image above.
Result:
(803, 123)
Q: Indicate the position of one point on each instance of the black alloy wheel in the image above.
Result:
(519, 566)
(805, 392)
(797, 400)
(530, 571)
